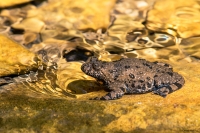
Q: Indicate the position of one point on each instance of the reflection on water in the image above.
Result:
(177, 18)
(127, 36)
(190, 48)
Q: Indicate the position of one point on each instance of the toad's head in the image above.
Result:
(93, 67)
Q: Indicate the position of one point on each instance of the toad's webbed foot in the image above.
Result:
(111, 95)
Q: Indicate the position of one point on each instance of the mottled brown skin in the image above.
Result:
(133, 76)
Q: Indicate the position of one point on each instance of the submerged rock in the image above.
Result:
(67, 14)
(175, 17)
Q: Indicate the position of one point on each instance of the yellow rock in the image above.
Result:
(14, 58)
(174, 17)
(6, 3)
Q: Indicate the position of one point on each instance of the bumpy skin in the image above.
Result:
(133, 76)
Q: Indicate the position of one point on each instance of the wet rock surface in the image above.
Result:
(34, 111)
(55, 96)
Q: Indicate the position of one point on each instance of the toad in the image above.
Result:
(133, 76)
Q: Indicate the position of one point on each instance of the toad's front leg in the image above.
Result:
(117, 91)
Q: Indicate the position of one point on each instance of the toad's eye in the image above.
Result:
(96, 66)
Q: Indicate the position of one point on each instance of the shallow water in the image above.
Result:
(55, 97)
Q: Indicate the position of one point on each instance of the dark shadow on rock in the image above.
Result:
(84, 86)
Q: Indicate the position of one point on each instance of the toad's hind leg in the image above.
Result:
(164, 90)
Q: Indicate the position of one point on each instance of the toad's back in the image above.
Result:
(132, 75)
